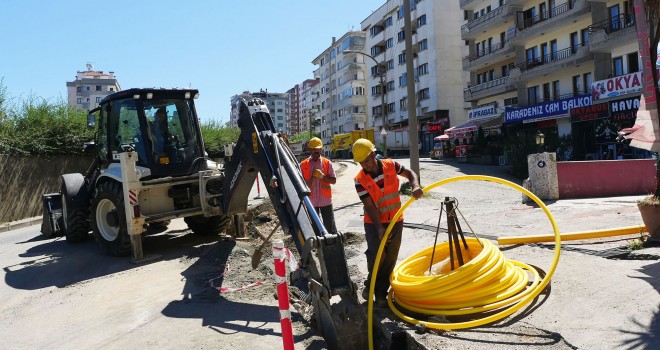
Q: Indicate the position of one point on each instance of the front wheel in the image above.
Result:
(207, 225)
(74, 213)
(108, 219)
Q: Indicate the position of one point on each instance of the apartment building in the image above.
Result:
(300, 103)
(277, 103)
(567, 69)
(438, 76)
(341, 94)
(89, 87)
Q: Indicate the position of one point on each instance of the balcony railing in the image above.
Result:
(481, 53)
(555, 11)
(614, 24)
(549, 58)
(486, 85)
(483, 19)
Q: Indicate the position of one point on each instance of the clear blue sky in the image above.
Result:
(220, 47)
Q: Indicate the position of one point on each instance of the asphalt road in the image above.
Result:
(61, 296)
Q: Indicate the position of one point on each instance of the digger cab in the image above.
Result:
(160, 125)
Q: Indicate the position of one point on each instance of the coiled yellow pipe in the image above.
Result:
(488, 281)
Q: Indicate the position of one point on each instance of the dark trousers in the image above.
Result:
(388, 258)
(328, 217)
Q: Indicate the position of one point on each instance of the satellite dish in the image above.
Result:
(90, 66)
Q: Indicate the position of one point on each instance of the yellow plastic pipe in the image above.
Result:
(572, 236)
(486, 257)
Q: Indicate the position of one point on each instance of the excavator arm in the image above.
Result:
(260, 149)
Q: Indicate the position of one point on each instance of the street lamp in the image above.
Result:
(540, 140)
(381, 74)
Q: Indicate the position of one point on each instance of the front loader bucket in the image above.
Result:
(52, 224)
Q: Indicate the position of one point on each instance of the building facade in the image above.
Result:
(567, 69)
(341, 96)
(277, 103)
(89, 87)
(439, 79)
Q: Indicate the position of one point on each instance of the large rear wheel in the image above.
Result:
(207, 225)
(108, 219)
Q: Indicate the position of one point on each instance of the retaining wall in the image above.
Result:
(606, 178)
(24, 179)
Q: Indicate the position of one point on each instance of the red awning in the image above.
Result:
(473, 125)
(441, 138)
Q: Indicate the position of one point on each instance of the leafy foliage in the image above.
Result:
(216, 136)
(302, 136)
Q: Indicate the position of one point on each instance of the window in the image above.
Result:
(390, 64)
(421, 20)
(375, 90)
(387, 22)
(546, 92)
(401, 36)
(424, 94)
(505, 70)
(423, 45)
(615, 23)
(509, 102)
(98, 99)
(491, 74)
(633, 62)
(502, 38)
(402, 58)
(111, 89)
(576, 85)
(79, 100)
(575, 42)
(402, 80)
(389, 43)
(586, 79)
(617, 66)
(391, 108)
(403, 104)
(98, 87)
(532, 56)
(556, 90)
(79, 89)
(545, 55)
(423, 69)
(533, 95)
(554, 49)
(390, 85)
(584, 33)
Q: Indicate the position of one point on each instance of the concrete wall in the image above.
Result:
(24, 179)
(603, 178)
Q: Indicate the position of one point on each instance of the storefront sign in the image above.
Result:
(544, 111)
(597, 111)
(606, 132)
(482, 112)
(623, 110)
(435, 127)
(617, 86)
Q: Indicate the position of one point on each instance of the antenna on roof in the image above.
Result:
(90, 66)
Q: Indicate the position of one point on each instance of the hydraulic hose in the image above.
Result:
(487, 282)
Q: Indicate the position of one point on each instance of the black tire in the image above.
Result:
(74, 217)
(108, 219)
(207, 225)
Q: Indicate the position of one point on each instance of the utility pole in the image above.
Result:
(381, 74)
(412, 105)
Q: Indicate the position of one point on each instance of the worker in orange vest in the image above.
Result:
(377, 185)
(319, 175)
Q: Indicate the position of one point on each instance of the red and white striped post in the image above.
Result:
(258, 189)
(280, 255)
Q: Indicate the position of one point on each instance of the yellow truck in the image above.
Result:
(342, 143)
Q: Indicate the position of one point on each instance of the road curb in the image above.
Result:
(8, 226)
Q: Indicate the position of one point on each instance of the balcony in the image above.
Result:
(490, 88)
(490, 55)
(556, 61)
(488, 21)
(550, 21)
(611, 33)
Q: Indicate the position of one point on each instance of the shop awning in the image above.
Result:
(441, 138)
(473, 125)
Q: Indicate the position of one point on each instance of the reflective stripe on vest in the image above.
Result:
(306, 168)
(388, 200)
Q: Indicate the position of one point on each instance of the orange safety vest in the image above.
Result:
(388, 200)
(326, 191)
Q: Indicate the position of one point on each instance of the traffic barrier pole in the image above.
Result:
(258, 189)
(279, 255)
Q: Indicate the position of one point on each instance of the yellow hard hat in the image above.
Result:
(362, 148)
(315, 142)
